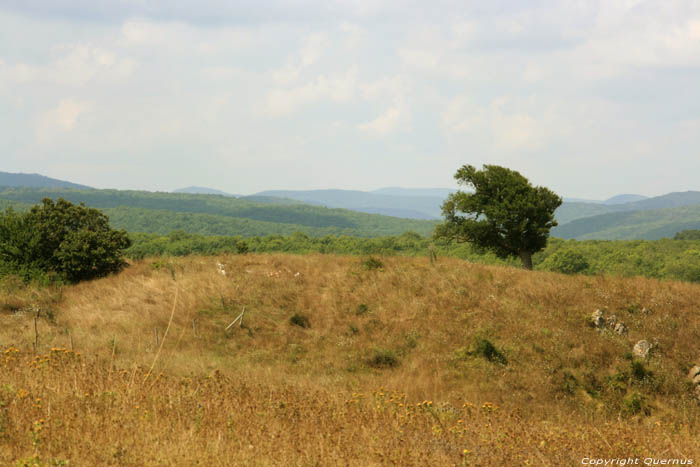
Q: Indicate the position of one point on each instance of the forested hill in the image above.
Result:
(408, 204)
(573, 211)
(648, 224)
(141, 211)
(35, 180)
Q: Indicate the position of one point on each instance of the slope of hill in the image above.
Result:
(622, 199)
(569, 212)
(141, 211)
(670, 200)
(650, 224)
(399, 191)
(410, 206)
(202, 190)
(335, 364)
(36, 181)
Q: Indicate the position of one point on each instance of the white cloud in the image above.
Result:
(385, 123)
(61, 119)
(552, 87)
(283, 101)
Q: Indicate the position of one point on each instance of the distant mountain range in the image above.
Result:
(202, 190)
(36, 181)
(621, 216)
(343, 212)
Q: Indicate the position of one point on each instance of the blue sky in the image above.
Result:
(589, 98)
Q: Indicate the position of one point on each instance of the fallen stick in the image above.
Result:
(237, 318)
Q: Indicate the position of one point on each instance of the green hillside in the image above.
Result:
(650, 224)
(569, 212)
(406, 205)
(140, 211)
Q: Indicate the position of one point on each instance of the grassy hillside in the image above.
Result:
(408, 363)
(139, 211)
(648, 224)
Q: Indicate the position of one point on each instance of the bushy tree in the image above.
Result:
(566, 261)
(685, 267)
(687, 235)
(504, 214)
(75, 242)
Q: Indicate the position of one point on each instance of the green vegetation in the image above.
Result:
(161, 213)
(505, 214)
(73, 242)
(301, 320)
(484, 348)
(687, 235)
(650, 224)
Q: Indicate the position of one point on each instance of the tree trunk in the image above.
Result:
(526, 258)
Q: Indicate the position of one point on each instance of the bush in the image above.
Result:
(73, 242)
(635, 403)
(362, 309)
(566, 262)
(685, 267)
(300, 320)
(383, 359)
(372, 263)
(485, 348)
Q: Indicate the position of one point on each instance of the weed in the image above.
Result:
(362, 309)
(372, 263)
(483, 347)
(300, 320)
(635, 403)
(382, 358)
(568, 383)
(640, 373)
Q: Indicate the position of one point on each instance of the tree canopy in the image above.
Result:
(74, 242)
(504, 213)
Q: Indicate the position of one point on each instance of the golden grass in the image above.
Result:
(271, 393)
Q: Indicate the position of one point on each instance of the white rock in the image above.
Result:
(620, 328)
(695, 371)
(641, 349)
(597, 318)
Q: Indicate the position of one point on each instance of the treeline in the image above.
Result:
(161, 213)
(662, 259)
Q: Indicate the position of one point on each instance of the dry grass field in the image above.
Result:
(340, 362)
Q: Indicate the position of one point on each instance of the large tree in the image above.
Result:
(504, 213)
(75, 242)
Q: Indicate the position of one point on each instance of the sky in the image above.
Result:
(588, 98)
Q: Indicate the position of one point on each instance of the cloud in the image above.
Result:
(553, 88)
(284, 101)
(61, 119)
(385, 123)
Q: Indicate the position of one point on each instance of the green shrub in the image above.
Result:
(300, 320)
(372, 263)
(566, 261)
(685, 267)
(483, 347)
(635, 403)
(362, 309)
